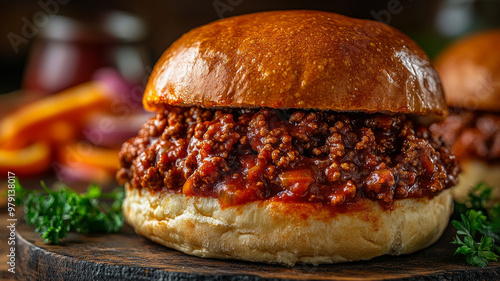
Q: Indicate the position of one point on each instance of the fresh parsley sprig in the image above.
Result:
(476, 253)
(55, 213)
(478, 231)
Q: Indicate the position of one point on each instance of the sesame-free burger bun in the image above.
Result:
(297, 59)
(286, 233)
(470, 71)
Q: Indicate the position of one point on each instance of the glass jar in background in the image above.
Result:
(457, 18)
(71, 48)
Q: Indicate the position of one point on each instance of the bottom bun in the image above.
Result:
(474, 172)
(286, 233)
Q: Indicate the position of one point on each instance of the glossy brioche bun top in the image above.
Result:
(297, 59)
(470, 71)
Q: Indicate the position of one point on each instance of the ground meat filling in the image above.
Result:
(242, 155)
(473, 134)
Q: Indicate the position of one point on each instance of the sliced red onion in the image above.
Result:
(121, 90)
(112, 130)
(81, 173)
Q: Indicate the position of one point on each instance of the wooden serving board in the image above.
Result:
(126, 256)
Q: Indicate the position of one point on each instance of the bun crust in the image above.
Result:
(470, 71)
(297, 59)
(474, 172)
(285, 233)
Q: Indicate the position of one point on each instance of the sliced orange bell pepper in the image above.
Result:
(28, 161)
(30, 123)
(85, 153)
(61, 132)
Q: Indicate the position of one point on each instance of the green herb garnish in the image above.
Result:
(478, 231)
(55, 213)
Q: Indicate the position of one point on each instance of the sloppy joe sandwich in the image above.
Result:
(470, 71)
(291, 136)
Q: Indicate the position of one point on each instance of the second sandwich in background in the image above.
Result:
(470, 73)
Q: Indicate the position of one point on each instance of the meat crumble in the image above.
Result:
(243, 155)
(473, 134)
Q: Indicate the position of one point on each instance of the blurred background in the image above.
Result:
(72, 72)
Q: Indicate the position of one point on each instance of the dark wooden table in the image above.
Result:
(126, 256)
